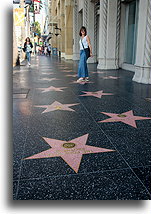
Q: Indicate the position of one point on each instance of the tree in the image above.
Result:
(37, 29)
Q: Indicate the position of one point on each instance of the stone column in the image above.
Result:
(143, 55)
(62, 24)
(103, 34)
(95, 32)
(68, 29)
(109, 34)
(89, 23)
(91, 28)
(75, 32)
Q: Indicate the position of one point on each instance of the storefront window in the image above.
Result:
(131, 31)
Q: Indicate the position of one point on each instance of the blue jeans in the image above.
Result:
(82, 69)
(28, 56)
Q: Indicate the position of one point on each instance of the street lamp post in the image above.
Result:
(57, 33)
(50, 35)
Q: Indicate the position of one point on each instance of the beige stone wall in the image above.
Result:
(62, 26)
(68, 30)
(62, 16)
(15, 50)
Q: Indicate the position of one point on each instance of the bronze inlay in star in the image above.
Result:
(58, 107)
(121, 115)
(68, 145)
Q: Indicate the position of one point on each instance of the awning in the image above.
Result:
(48, 38)
(44, 36)
(16, 1)
(28, 1)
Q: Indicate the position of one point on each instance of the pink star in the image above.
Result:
(97, 72)
(126, 117)
(56, 106)
(47, 73)
(70, 151)
(97, 94)
(111, 77)
(62, 67)
(71, 75)
(49, 79)
(67, 71)
(82, 82)
(51, 88)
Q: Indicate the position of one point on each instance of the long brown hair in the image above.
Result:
(28, 39)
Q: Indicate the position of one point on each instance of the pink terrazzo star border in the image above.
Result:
(81, 83)
(51, 88)
(126, 117)
(47, 73)
(97, 94)
(71, 75)
(70, 151)
(110, 77)
(49, 79)
(56, 106)
(67, 71)
(97, 72)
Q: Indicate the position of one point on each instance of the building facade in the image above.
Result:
(21, 28)
(120, 33)
(61, 26)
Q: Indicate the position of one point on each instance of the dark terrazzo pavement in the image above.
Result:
(123, 174)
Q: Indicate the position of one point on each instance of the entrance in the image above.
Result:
(131, 31)
(97, 36)
(80, 18)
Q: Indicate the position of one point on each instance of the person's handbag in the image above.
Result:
(87, 50)
(24, 49)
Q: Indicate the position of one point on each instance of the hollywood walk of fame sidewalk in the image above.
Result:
(83, 141)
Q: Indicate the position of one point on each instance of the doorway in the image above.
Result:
(131, 31)
(80, 18)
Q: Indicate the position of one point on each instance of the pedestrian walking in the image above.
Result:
(85, 53)
(42, 49)
(45, 51)
(49, 49)
(28, 49)
(39, 50)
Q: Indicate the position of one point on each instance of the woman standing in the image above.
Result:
(84, 44)
(28, 49)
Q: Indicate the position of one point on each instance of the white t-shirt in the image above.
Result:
(49, 48)
(28, 49)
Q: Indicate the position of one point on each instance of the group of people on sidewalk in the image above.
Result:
(85, 53)
(44, 50)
